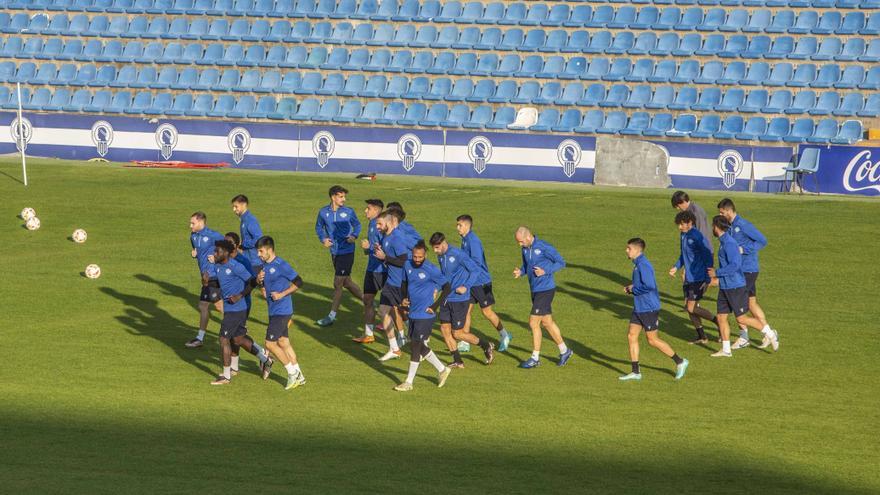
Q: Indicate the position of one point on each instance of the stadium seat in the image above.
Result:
(592, 120)
(613, 123)
(331, 86)
(800, 131)
(850, 105)
(827, 103)
(638, 97)
(528, 91)
(661, 98)
(730, 127)
(804, 75)
(850, 132)
(615, 97)
(777, 129)
(711, 72)
(440, 88)
(641, 71)
(550, 91)
(758, 73)
(803, 102)
(661, 123)
(824, 132)
(685, 99)
(663, 72)
(830, 48)
(437, 113)
(60, 98)
(422, 62)
(872, 106)
(779, 101)
(482, 91)
(547, 119)
(594, 94)
(872, 79)
(571, 94)
(599, 42)
(486, 65)
(504, 92)
(755, 101)
(684, 125)
(707, 127)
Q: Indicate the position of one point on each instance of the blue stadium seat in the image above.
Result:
(827, 76)
(570, 119)
(800, 131)
(425, 37)
(592, 120)
(394, 111)
(504, 92)
(711, 72)
(329, 109)
(599, 42)
(60, 98)
(25, 73)
(307, 109)
(613, 123)
(615, 97)
(803, 102)
(805, 22)
(779, 101)
(576, 42)
(310, 84)
(598, 67)
(537, 13)
(662, 97)
(242, 107)
(850, 132)
(534, 39)
(559, 14)
(684, 126)
(31, 48)
(451, 11)
(200, 106)
(602, 15)
(830, 48)
(57, 25)
(571, 94)
(533, 64)
(72, 49)
(492, 15)
(161, 104)
(850, 105)
(142, 102)
(471, 12)
(372, 111)
(730, 127)
(504, 116)
(80, 99)
(661, 123)
(36, 101)
(783, 47)
(146, 76)
(396, 88)
(780, 74)
(852, 50)
(737, 46)
(131, 51)
(593, 95)
(783, 20)
(687, 71)
(547, 119)
(759, 20)
(670, 43)
(685, 99)
(713, 20)
(756, 100)
(827, 103)
(643, 44)
(207, 79)
(480, 117)
(436, 114)
(623, 17)
(804, 75)
(45, 74)
(778, 129)
(733, 98)
(482, 91)
(825, 131)
(550, 91)
(707, 126)
(712, 45)
(231, 56)
(872, 25)
(829, 23)
(641, 71)
(440, 88)
(415, 112)
(166, 79)
(872, 79)
(512, 39)
(350, 111)
(418, 88)
(872, 106)
(663, 72)
(638, 97)
(758, 73)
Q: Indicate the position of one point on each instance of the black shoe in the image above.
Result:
(194, 343)
(267, 367)
(490, 353)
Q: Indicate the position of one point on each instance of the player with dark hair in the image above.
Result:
(481, 294)
(682, 202)
(695, 257)
(750, 241)
(280, 281)
(202, 240)
(540, 261)
(646, 311)
(374, 278)
(236, 282)
(423, 281)
(250, 230)
(393, 252)
(409, 232)
(733, 295)
(338, 227)
(239, 256)
(462, 272)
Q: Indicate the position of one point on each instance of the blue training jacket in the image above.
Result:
(750, 239)
(541, 254)
(338, 226)
(473, 246)
(695, 257)
(250, 233)
(374, 236)
(729, 272)
(644, 286)
(203, 242)
(461, 270)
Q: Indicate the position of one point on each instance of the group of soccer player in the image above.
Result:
(231, 266)
(413, 292)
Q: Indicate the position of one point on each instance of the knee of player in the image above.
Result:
(653, 339)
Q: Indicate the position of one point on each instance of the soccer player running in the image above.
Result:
(374, 278)
(481, 293)
(250, 230)
(682, 202)
(733, 296)
(423, 281)
(540, 262)
(280, 281)
(750, 241)
(410, 237)
(236, 282)
(338, 227)
(239, 256)
(202, 240)
(463, 273)
(695, 258)
(646, 311)
(394, 253)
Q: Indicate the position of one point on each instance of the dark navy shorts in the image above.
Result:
(542, 302)
(374, 281)
(233, 324)
(482, 295)
(649, 320)
(455, 313)
(693, 291)
(391, 296)
(751, 283)
(342, 264)
(734, 301)
(277, 327)
(211, 292)
(420, 329)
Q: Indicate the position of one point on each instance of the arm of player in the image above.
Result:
(397, 261)
(295, 285)
(644, 283)
(321, 229)
(355, 226)
(758, 240)
(734, 263)
(473, 270)
(444, 293)
(556, 261)
(255, 231)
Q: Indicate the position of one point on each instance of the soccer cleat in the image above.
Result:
(401, 340)
(192, 344)
(364, 339)
(221, 380)
(266, 367)
(505, 342)
(390, 355)
(721, 353)
(680, 369)
(404, 387)
(464, 346)
(490, 353)
(740, 343)
(295, 380)
(564, 357)
(530, 363)
(456, 365)
(771, 340)
(698, 340)
(443, 376)
(630, 376)
(325, 321)
(233, 372)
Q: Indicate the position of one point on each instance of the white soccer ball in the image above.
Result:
(93, 271)
(27, 214)
(33, 223)
(79, 236)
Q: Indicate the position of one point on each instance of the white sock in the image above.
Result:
(766, 330)
(368, 330)
(227, 372)
(725, 346)
(402, 336)
(290, 369)
(744, 333)
(201, 335)
(234, 363)
(296, 368)
(332, 315)
(563, 348)
(536, 355)
(411, 375)
(393, 343)
(503, 333)
(435, 361)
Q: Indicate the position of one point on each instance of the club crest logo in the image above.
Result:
(422, 276)
(271, 270)
(323, 144)
(479, 151)
(239, 141)
(409, 147)
(166, 139)
(452, 259)
(730, 165)
(205, 239)
(102, 136)
(569, 155)
(27, 133)
(228, 271)
(537, 251)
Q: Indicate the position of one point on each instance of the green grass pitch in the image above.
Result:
(99, 395)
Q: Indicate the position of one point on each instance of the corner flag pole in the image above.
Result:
(22, 142)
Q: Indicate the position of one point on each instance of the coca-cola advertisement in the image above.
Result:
(846, 170)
